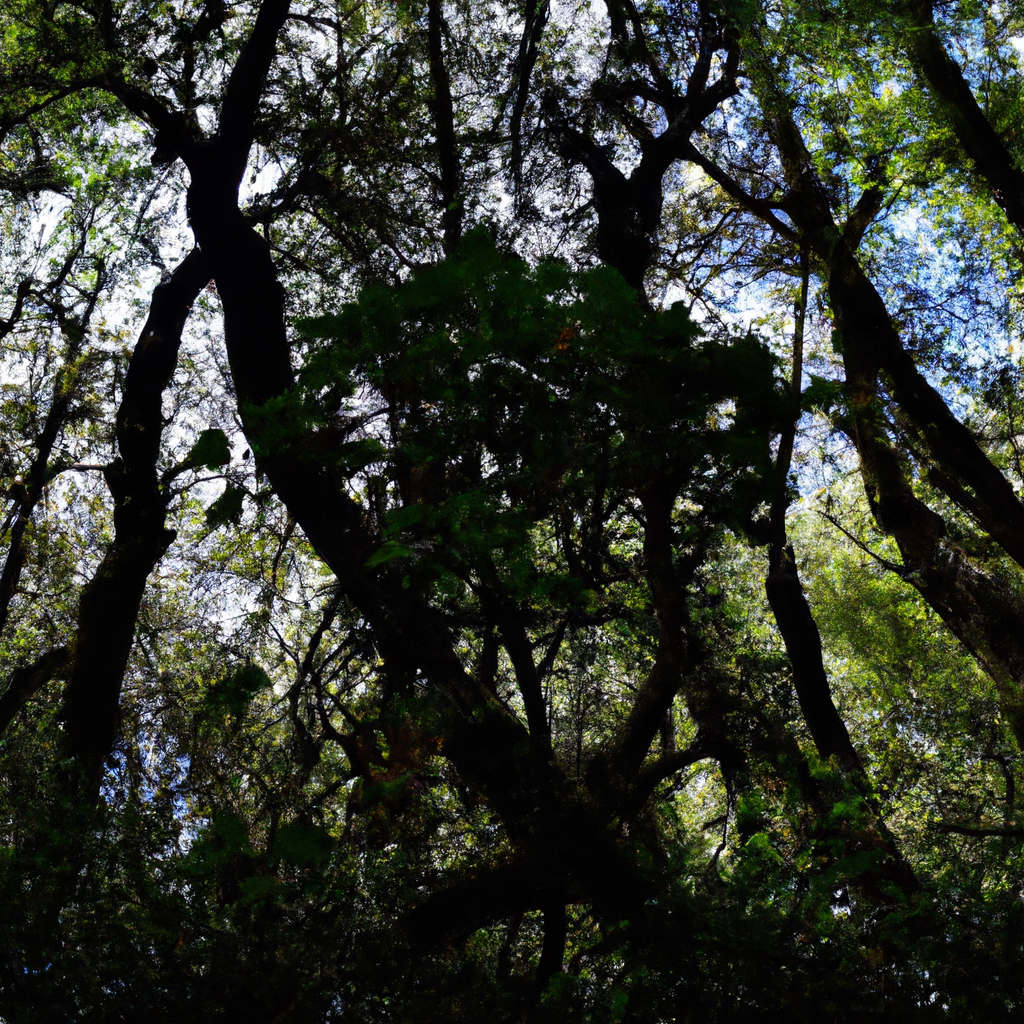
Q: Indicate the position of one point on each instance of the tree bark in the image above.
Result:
(979, 609)
(629, 207)
(955, 99)
(26, 680)
(110, 601)
(786, 595)
(444, 130)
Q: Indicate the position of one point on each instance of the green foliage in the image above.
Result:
(301, 845)
(231, 693)
(822, 395)
(532, 374)
(227, 509)
(544, 700)
(210, 450)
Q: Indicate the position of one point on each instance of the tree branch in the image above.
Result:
(245, 90)
(26, 680)
(110, 601)
(444, 129)
(956, 100)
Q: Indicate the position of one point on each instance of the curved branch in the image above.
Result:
(979, 139)
(245, 89)
(26, 680)
(734, 190)
(655, 772)
(110, 601)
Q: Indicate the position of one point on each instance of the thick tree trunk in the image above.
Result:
(488, 744)
(956, 101)
(800, 634)
(444, 130)
(979, 609)
(786, 594)
(110, 601)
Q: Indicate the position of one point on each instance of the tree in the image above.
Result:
(493, 653)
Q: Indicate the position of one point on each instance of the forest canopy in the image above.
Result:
(511, 511)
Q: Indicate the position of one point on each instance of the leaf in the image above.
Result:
(227, 508)
(210, 450)
(618, 1006)
(305, 846)
(387, 552)
(259, 887)
(403, 517)
(355, 455)
(226, 837)
(822, 395)
(235, 690)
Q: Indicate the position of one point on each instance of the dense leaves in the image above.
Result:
(512, 511)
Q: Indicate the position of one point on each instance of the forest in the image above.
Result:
(511, 511)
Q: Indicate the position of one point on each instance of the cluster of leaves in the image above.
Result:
(484, 396)
(300, 819)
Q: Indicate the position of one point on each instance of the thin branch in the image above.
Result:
(900, 570)
(759, 207)
(977, 831)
